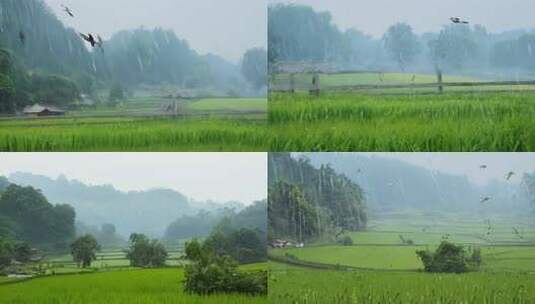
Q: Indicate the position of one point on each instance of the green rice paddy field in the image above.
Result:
(111, 280)
(360, 122)
(378, 268)
(160, 286)
(209, 125)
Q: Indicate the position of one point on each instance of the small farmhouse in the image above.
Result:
(41, 110)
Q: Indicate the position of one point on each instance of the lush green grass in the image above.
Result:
(133, 134)
(147, 105)
(138, 124)
(238, 105)
(352, 122)
(307, 286)
(132, 286)
(379, 269)
(401, 258)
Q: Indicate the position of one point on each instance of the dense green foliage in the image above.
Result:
(84, 250)
(448, 258)
(144, 252)
(243, 245)
(211, 273)
(31, 218)
(305, 201)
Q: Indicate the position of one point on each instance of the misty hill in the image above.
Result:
(136, 211)
(202, 224)
(391, 184)
(43, 61)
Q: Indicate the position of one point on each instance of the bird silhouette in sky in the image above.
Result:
(509, 175)
(458, 20)
(485, 199)
(67, 10)
(89, 38)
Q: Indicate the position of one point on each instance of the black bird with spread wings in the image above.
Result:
(89, 38)
(67, 10)
(458, 20)
(485, 199)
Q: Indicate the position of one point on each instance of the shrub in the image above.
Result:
(210, 273)
(448, 258)
(146, 253)
(346, 241)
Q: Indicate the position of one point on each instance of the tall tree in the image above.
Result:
(254, 67)
(84, 250)
(401, 44)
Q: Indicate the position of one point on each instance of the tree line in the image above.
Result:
(297, 33)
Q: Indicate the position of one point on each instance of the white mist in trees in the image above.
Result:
(401, 44)
(254, 67)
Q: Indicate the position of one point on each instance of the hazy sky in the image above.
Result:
(499, 164)
(226, 28)
(375, 16)
(217, 176)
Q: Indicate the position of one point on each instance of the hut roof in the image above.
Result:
(37, 108)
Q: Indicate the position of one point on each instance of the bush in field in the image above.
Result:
(448, 258)
(346, 241)
(210, 273)
(84, 250)
(144, 252)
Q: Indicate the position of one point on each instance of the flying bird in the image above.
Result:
(458, 20)
(509, 175)
(483, 167)
(89, 38)
(67, 10)
(485, 199)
